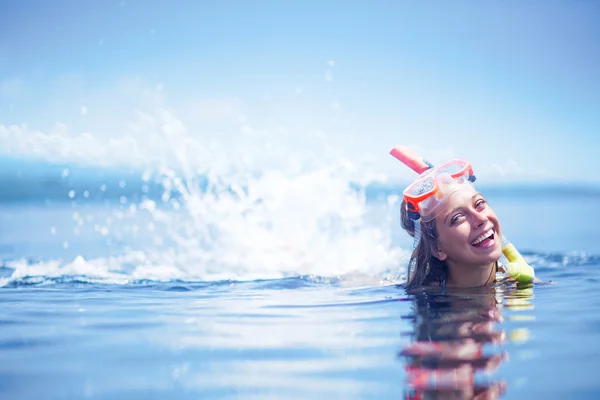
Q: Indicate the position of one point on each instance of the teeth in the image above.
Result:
(484, 236)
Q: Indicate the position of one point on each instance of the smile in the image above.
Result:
(489, 234)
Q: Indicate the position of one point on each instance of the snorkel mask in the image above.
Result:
(427, 195)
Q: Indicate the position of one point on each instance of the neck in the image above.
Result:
(470, 276)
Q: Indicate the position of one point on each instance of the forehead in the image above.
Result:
(462, 195)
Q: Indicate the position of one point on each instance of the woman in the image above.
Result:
(457, 234)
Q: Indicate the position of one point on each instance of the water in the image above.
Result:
(279, 278)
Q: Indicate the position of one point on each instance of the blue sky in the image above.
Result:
(512, 85)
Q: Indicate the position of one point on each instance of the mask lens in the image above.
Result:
(421, 187)
(454, 168)
(420, 194)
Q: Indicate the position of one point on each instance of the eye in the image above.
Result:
(455, 219)
(480, 204)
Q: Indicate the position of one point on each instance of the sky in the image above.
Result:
(513, 86)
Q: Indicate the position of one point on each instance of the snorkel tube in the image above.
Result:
(518, 268)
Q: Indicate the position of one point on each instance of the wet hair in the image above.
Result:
(424, 268)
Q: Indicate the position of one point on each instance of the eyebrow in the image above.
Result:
(459, 207)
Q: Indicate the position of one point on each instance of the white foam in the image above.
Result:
(271, 208)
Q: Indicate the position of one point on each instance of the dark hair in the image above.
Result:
(424, 268)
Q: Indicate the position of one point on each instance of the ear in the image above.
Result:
(439, 254)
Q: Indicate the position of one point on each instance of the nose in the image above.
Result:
(478, 219)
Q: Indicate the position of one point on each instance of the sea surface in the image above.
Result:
(121, 286)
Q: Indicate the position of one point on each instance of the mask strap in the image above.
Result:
(417, 237)
(417, 232)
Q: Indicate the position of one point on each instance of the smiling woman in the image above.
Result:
(461, 240)
(460, 246)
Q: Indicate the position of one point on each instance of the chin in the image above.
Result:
(494, 255)
(488, 258)
(498, 250)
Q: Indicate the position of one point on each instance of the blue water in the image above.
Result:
(93, 306)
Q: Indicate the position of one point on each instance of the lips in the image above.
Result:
(484, 239)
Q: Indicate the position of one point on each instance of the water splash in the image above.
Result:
(260, 207)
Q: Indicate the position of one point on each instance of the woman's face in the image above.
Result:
(468, 230)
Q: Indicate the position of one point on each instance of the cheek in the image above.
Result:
(491, 215)
(451, 238)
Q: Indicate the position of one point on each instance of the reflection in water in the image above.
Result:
(448, 357)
